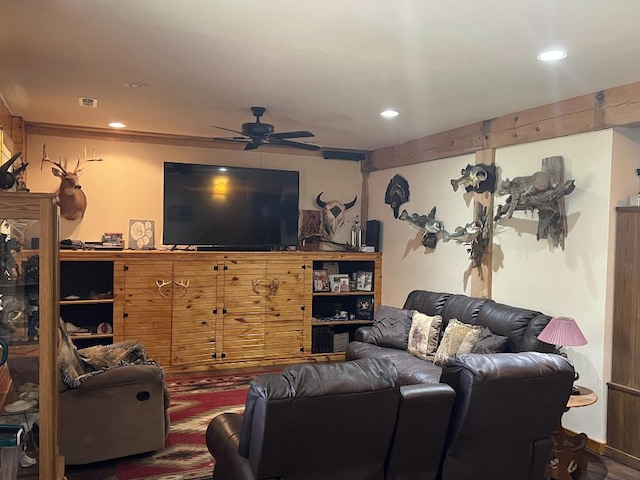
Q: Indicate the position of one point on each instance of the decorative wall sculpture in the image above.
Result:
(543, 192)
(333, 214)
(397, 193)
(477, 178)
(427, 224)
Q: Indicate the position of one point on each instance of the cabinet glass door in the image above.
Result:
(29, 374)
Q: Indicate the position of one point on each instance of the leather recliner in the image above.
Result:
(506, 409)
(344, 420)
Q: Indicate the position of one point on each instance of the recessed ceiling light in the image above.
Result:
(551, 55)
(389, 113)
(136, 85)
(117, 125)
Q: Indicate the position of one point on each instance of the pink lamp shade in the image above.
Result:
(563, 332)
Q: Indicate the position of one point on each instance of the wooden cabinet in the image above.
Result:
(623, 408)
(194, 329)
(33, 359)
(147, 295)
(202, 310)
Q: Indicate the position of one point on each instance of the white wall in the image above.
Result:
(528, 273)
(570, 282)
(128, 183)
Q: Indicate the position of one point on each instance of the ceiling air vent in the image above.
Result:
(88, 102)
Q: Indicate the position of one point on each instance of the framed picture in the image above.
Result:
(339, 282)
(320, 281)
(364, 281)
(364, 308)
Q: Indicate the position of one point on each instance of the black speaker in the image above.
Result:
(372, 235)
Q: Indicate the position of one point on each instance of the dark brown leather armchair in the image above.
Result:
(507, 406)
(333, 421)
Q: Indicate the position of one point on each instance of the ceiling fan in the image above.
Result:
(258, 133)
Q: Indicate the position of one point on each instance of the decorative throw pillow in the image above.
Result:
(489, 342)
(423, 335)
(391, 327)
(458, 337)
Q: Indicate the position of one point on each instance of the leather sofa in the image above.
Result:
(491, 418)
(347, 420)
(521, 327)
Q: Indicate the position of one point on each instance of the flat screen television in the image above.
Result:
(218, 207)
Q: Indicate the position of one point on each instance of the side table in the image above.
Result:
(567, 451)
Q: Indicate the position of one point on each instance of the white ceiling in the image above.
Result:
(329, 66)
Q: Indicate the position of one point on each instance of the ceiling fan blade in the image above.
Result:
(232, 139)
(297, 134)
(251, 145)
(227, 129)
(288, 143)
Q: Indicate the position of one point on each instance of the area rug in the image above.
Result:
(194, 402)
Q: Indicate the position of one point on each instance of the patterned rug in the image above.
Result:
(194, 402)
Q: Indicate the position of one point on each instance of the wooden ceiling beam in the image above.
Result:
(33, 128)
(615, 107)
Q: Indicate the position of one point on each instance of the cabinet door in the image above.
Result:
(195, 286)
(243, 332)
(148, 296)
(284, 313)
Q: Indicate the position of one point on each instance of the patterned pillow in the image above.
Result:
(489, 342)
(458, 337)
(423, 335)
(391, 327)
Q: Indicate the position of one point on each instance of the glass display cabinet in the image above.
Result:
(29, 312)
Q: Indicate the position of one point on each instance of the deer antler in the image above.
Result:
(92, 159)
(45, 158)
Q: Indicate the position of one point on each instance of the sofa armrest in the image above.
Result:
(363, 334)
(223, 439)
(124, 375)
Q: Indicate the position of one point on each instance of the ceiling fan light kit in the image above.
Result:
(258, 133)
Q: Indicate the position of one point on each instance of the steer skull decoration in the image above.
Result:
(70, 197)
(333, 213)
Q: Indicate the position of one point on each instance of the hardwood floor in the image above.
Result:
(598, 468)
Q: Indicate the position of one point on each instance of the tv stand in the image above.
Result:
(234, 248)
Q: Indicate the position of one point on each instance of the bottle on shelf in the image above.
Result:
(356, 233)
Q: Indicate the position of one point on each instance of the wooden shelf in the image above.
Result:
(344, 294)
(91, 335)
(86, 301)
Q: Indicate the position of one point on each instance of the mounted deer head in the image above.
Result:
(70, 197)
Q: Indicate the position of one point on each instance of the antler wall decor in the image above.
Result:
(70, 196)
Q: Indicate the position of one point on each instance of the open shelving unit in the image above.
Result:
(86, 299)
(331, 331)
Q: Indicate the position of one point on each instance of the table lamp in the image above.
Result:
(563, 332)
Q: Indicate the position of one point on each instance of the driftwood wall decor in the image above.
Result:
(544, 192)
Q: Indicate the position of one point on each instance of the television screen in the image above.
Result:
(217, 206)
